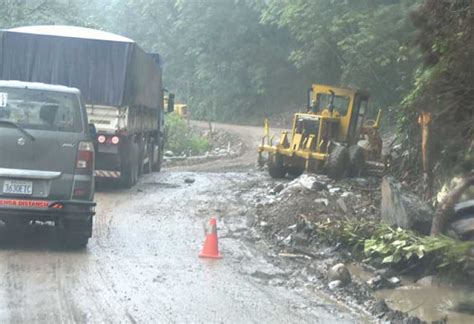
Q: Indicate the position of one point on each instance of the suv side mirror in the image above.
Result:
(170, 107)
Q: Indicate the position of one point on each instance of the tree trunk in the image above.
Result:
(425, 120)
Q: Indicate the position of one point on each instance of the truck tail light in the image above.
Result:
(85, 158)
(115, 140)
(104, 139)
(101, 139)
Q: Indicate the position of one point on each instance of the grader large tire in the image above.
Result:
(356, 161)
(276, 168)
(295, 171)
(338, 163)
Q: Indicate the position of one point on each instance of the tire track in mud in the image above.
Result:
(114, 214)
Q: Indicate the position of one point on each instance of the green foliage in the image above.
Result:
(443, 87)
(381, 244)
(218, 58)
(181, 139)
(241, 59)
(357, 43)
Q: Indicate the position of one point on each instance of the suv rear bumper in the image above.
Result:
(53, 210)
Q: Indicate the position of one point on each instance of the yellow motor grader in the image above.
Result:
(325, 138)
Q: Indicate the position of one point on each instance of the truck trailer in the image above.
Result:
(120, 84)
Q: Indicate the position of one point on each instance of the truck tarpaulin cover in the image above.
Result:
(109, 70)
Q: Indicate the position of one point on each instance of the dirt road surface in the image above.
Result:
(141, 266)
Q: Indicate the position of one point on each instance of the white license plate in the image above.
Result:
(18, 187)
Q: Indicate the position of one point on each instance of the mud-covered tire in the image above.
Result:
(338, 163)
(295, 171)
(129, 175)
(157, 164)
(75, 234)
(356, 161)
(148, 168)
(141, 157)
(276, 168)
(76, 242)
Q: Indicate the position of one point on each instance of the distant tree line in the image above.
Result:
(238, 59)
(241, 59)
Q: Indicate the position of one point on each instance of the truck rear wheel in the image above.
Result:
(148, 168)
(141, 157)
(157, 163)
(338, 163)
(129, 176)
(356, 161)
(276, 168)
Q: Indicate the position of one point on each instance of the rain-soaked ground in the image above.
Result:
(141, 265)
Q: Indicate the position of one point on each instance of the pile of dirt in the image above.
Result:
(316, 198)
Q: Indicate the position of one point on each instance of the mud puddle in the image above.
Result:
(429, 301)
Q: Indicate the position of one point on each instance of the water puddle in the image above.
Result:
(428, 302)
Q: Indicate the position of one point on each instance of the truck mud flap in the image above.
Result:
(107, 174)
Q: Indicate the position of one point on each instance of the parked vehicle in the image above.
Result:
(120, 83)
(46, 158)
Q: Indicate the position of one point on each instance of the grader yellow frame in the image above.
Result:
(324, 138)
(181, 110)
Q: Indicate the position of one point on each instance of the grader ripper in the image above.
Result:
(325, 138)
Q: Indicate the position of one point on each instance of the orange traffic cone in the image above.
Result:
(211, 245)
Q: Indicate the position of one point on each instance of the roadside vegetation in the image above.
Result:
(381, 245)
(182, 139)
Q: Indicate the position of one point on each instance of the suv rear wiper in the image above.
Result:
(21, 129)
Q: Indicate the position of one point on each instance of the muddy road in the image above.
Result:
(141, 265)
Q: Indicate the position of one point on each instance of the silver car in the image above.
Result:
(46, 158)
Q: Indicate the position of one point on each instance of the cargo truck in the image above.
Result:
(120, 84)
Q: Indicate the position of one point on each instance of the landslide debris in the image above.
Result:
(287, 215)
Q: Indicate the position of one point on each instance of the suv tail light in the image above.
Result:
(85, 158)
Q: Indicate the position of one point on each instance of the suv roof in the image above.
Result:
(38, 86)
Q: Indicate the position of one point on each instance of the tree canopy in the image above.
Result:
(240, 59)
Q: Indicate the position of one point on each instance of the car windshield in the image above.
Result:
(40, 109)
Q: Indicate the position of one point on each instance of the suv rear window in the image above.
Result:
(41, 109)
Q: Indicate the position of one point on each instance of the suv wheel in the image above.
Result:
(75, 233)
(76, 241)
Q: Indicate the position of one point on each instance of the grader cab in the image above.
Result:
(325, 138)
